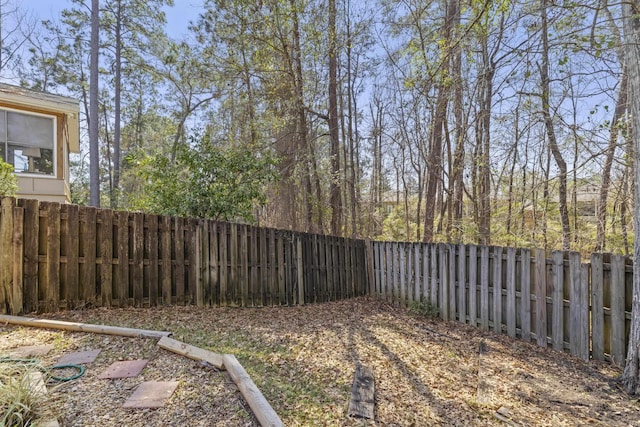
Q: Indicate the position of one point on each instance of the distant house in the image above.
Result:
(37, 132)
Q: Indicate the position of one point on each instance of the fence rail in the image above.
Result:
(582, 308)
(56, 257)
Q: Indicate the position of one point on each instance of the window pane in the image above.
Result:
(3, 125)
(29, 130)
(31, 160)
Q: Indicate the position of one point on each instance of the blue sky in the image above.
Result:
(178, 16)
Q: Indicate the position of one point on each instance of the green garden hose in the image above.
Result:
(34, 363)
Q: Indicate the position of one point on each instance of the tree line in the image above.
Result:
(485, 121)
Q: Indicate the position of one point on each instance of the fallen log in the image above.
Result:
(191, 352)
(81, 327)
(265, 414)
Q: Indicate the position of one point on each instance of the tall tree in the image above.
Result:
(631, 14)
(94, 157)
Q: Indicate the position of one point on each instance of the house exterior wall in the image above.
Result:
(47, 187)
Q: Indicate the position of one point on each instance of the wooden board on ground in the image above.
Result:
(191, 352)
(81, 327)
(362, 403)
(257, 402)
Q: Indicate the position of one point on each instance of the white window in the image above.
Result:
(27, 141)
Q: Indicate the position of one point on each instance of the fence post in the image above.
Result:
(597, 307)
(578, 323)
(497, 289)
(6, 257)
(558, 300)
(17, 301)
(525, 294)
(617, 309)
(300, 271)
(541, 297)
(370, 257)
(511, 292)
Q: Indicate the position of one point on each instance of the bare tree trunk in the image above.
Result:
(94, 154)
(335, 199)
(631, 18)
(551, 134)
(117, 107)
(601, 214)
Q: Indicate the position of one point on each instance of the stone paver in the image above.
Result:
(124, 369)
(30, 350)
(151, 394)
(79, 357)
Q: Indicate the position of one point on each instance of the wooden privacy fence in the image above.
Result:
(55, 256)
(583, 308)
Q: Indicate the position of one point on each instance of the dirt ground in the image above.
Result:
(427, 372)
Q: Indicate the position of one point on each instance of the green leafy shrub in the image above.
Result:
(8, 180)
(424, 308)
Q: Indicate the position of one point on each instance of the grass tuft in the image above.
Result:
(21, 401)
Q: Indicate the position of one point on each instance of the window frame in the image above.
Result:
(4, 141)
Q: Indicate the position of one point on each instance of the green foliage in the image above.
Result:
(205, 181)
(423, 308)
(8, 180)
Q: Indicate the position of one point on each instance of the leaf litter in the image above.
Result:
(303, 358)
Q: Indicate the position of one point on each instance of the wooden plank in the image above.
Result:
(525, 294)
(443, 282)
(152, 278)
(52, 296)
(300, 271)
(473, 285)
(410, 273)
(6, 257)
(17, 249)
(484, 287)
(72, 248)
(273, 278)
(434, 276)
(178, 241)
(106, 257)
(617, 310)
(597, 307)
(557, 277)
(541, 297)
(264, 268)
(88, 231)
(497, 289)
(282, 292)
(165, 253)
(584, 312)
(30, 243)
(402, 276)
(261, 409)
(82, 327)
(64, 232)
(137, 231)
(511, 292)
(214, 264)
(451, 249)
(224, 264)
(195, 261)
(426, 264)
(123, 258)
(192, 352)
(252, 282)
(288, 261)
(243, 234)
(362, 402)
(462, 283)
(417, 270)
